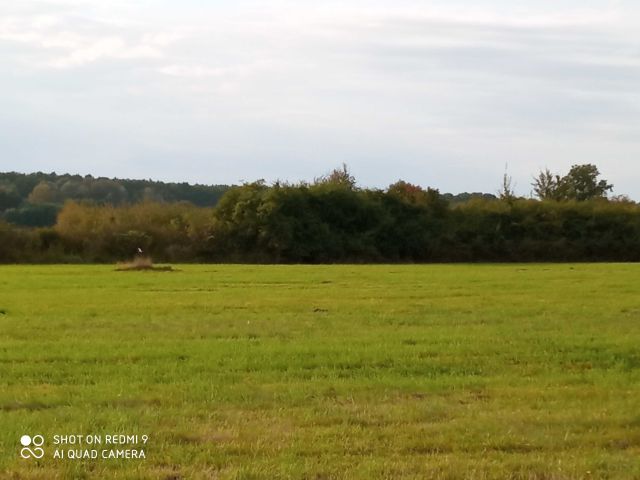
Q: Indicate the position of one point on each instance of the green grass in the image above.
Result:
(357, 372)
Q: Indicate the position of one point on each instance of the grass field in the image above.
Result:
(357, 372)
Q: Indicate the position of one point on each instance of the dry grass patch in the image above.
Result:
(142, 264)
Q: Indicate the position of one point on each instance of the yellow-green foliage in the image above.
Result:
(172, 231)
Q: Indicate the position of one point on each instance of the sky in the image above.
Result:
(446, 94)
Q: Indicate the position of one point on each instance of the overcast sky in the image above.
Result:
(440, 93)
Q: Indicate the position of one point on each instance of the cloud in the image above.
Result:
(204, 71)
(412, 88)
(66, 41)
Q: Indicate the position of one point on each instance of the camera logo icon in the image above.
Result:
(31, 446)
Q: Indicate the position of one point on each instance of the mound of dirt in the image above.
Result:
(142, 264)
(126, 267)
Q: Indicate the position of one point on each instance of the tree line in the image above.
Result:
(35, 199)
(333, 220)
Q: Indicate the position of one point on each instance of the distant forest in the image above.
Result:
(35, 199)
(69, 218)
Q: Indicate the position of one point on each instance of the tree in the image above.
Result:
(104, 190)
(413, 194)
(506, 192)
(44, 192)
(581, 183)
(9, 197)
(417, 196)
(338, 176)
(545, 185)
(38, 215)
